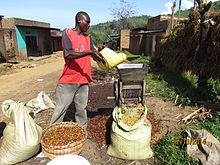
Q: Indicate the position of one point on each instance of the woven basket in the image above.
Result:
(70, 149)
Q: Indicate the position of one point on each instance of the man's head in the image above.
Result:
(82, 21)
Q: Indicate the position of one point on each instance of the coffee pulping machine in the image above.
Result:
(129, 89)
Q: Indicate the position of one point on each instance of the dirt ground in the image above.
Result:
(24, 80)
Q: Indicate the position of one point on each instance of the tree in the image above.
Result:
(122, 15)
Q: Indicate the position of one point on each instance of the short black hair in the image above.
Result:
(80, 14)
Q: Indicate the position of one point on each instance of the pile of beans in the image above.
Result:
(100, 127)
(154, 123)
(131, 115)
(60, 136)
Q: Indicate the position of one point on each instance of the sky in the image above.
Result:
(60, 13)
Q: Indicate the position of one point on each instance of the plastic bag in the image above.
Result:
(21, 137)
(40, 103)
(111, 59)
(130, 142)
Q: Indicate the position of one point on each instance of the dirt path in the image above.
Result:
(25, 82)
(27, 79)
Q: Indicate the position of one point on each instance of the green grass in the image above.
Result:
(142, 59)
(2, 73)
(167, 152)
(166, 84)
(137, 58)
(213, 125)
(169, 84)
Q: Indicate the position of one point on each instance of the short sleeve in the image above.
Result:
(67, 44)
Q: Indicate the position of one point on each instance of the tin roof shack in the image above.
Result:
(133, 40)
(144, 40)
(157, 27)
(56, 40)
(25, 38)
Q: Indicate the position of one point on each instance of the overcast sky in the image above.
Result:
(60, 13)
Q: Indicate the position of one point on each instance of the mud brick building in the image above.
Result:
(56, 40)
(144, 40)
(21, 38)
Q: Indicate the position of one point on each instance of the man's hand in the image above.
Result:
(97, 56)
(101, 47)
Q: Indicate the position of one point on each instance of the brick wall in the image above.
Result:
(10, 43)
(11, 22)
(2, 46)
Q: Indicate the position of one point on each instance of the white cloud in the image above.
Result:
(168, 6)
(186, 4)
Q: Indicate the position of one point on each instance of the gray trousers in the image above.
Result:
(65, 95)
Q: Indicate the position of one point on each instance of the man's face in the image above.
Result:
(84, 23)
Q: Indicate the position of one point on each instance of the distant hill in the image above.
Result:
(137, 22)
(102, 32)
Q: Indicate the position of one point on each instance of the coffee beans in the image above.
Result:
(60, 136)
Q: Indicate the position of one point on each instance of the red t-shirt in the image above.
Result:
(76, 71)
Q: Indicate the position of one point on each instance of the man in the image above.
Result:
(73, 83)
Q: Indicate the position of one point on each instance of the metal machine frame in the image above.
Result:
(130, 87)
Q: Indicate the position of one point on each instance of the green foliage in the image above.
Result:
(142, 59)
(167, 152)
(215, 85)
(215, 6)
(101, 33)
(139, 21)
(177, 31)
(184, 13)
(169, 85)
(2, 74)
(178, 87)
(98, 37)
(210, 125)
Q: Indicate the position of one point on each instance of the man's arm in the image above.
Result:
(71, 54)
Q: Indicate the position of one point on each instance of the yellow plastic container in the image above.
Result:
(111, 59)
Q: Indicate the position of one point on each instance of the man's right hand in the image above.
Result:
(97, 56)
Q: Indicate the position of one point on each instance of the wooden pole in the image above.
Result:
(1, 16)
(172, 16)
(180, 1)
(194, 6)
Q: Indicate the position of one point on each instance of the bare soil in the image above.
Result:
(24, 80)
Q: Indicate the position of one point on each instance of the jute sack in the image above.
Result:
(130, 142)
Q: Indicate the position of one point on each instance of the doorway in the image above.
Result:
(31, 43)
